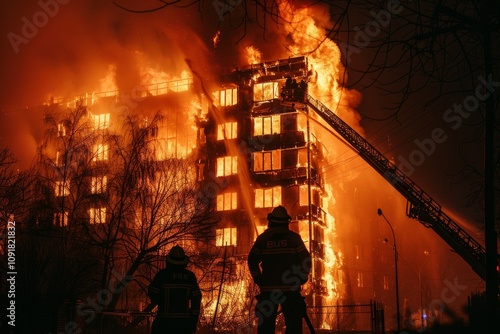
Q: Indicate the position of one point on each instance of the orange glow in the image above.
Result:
(324, 61)
(108, 83)
(253, 55)
(325, 83)
(233, 296)
(216, 39)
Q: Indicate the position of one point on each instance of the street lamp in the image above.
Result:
(380, 213)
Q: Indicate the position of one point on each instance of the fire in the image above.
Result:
(306, 26)
(324, 84)
(230, 299)
(323, 54)
(108, 83)
(216, 39)
(253, 55)
(159, 82)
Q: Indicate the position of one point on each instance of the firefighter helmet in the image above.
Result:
(177, 256)
(279, 215)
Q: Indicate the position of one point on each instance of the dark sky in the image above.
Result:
(73, 43)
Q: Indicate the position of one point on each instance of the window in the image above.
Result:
(100, 152)
(227, 97)
(302, 161)
(265, 91)
(357, 252)
(268, 160)
(268, 198)
(229, 129)
(61, 218)
(385, 282)
(62, 188)
(261, 229)
(101, 121)
(61, 130)
(304, 195)
(99, 184)
(266, 125)
(97, 215)
(340, 276)
(360, 280)
(225, 236)
(59, 159)
(227, 201)
(227, 166)
(151, 128)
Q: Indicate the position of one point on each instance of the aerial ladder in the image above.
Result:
(420, 205)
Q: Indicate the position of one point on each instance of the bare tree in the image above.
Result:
(106, 205)
(13, 187)
(151, 202)
(54, 262)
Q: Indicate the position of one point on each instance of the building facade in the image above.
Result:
(254, 144)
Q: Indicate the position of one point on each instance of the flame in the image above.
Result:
(324, 84)
(159, 82)
(216, 39)
(306, 26)
(232, 300)
(324, 57)
(253, 55)
(108, 83)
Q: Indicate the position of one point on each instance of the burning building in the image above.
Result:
(259, 152)
(250, 143)
(255, 143)
(254, 140)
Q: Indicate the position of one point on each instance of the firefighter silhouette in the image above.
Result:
(175, 290)
(295, 89)
(279, 263)
(302, 90)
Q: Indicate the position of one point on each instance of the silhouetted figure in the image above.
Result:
(175, 290)
(286, 91)
(295, 87)
(279, 263)
(302, 90)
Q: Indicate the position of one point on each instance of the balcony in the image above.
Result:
(278, 141)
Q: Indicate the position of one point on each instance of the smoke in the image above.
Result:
(71, 53)
(70, 49)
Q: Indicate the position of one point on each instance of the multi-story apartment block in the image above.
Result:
(260, 152)
(253, 145)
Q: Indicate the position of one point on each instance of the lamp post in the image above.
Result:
(380, 213)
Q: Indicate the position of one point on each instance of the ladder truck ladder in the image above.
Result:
(420, 205)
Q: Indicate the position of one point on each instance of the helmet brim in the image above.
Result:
(178, 261)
